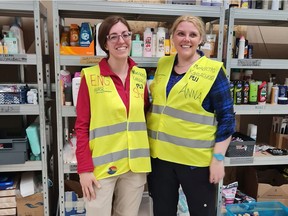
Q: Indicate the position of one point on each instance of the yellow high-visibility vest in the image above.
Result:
(180, 130)
(118, 142)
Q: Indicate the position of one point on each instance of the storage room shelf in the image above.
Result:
(266, 109)
(18, 59)
(20, 8)
(19, 109)
(259, 63)
(28, 166)
(138, 11)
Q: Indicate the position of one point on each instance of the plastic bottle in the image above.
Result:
(66, 87)
(241, 47)
(99, 51)
(75, 87)
(160, 51)
(85, 34)
(18, 33)
(11, 43)
(238, 92)
(1, 48)
(253, 90)
(136, 50)
(74, 35)
(275, 5)
(147, 51)
(154, 43)
(262, 93)
(167, 44)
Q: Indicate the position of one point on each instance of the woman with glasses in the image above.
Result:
(112, 144)
(189, 125)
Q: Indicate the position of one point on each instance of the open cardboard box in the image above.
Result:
(279, 140)
(30, 205)
(77, 50)
(264, 185)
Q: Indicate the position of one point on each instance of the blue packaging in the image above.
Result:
(85, 34)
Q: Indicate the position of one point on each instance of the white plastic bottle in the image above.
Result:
(154, 43)
(241, 47)
(99, 51)
(18, 33)
(275, 5)
(160, 50)
(147, 51)
(75, 87)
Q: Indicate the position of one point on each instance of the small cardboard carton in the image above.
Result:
(30, 205)
(77, 50)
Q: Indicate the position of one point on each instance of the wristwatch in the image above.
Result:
(219, 156)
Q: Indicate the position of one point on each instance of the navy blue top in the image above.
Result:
(218, 101)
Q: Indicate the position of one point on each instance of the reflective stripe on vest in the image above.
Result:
(183, 115)
(115, 156)
(181, 141)
(112, 129)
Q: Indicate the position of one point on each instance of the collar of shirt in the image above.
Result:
(105, 69)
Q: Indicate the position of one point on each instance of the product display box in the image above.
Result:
(240, 146)
(73, 199)
(263, 209)
(278, 140)
(13, 148)
(263, 185)
(30, 205)
(73, 50)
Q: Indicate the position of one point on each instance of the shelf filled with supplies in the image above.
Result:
(63, 12)
(236, 61)
(25, 86)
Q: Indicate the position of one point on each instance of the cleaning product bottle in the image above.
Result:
(136, 50)
(66, 85)
(147, 51)
(1, 48)
(16, 28)
(75, 87)
(160, 51)
(262, 93)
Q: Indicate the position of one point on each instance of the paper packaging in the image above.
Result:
(30, 205)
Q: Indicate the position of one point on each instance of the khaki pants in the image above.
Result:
(127, 189)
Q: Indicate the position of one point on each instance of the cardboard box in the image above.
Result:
(73, 50)
(30, 205)
(278, 140)
(264, 185)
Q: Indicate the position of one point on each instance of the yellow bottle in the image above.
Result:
(5, 48)
(1, 49)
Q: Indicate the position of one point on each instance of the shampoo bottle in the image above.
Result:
(75, 87)
(160, 51)
(136, 50)
(99, 51)
(147, 51)
(18, 33)
(11, 43)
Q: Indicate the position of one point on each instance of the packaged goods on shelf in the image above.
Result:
(241, 146)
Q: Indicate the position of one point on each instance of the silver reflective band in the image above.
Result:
(112, 129)
(190, 143)
(184, 115)
(115, 156)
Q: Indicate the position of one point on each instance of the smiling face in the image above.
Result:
(186, 38)
(119, 48)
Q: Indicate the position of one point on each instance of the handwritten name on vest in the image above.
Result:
(99, 82)
(191, 93)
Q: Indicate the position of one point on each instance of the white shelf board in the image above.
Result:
(19, 109)
(18, 59)
(27, 166)
(266, 109)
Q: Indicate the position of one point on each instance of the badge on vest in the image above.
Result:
(112, 170)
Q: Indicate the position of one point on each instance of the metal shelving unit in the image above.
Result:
(99, 10)
(37, 12)
(254, 17)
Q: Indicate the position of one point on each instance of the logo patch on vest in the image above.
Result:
(112, 170)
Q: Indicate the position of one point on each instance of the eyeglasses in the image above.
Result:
(115, 37)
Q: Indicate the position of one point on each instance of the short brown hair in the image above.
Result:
(197, 21)
(105, 28)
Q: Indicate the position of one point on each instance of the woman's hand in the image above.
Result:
(87, 181)
(217, 171)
